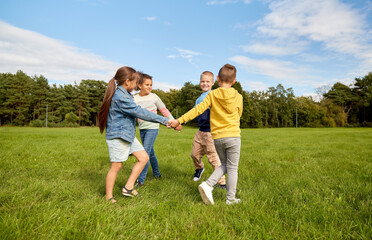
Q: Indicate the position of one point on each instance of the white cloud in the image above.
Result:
(275, 49)
(315, 31)
(330, 22)
(150, 18)
(165, 86)
(34, 53)
(255, 85)
(185, 54)
(281, 70)
(316, 97)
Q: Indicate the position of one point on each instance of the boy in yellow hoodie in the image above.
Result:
(226, 107)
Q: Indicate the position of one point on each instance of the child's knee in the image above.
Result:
(144, 158)
(116, 167)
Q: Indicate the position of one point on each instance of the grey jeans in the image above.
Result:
(228, 150)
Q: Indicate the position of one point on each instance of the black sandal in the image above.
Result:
(112, 200)
(129, 193)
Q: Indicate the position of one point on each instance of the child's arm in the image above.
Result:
(197, 110)
(128, 106)
(240, 106)
(162, 108)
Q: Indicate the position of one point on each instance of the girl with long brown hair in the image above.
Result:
(117, 114)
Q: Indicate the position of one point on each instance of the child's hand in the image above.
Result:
(172, 123)
(178, 128)
(169, 124)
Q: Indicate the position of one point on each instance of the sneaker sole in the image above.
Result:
(204, 196)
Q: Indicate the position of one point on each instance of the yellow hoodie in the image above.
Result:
(226, 106)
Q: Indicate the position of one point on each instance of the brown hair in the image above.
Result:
(227, 73)
(122, 74)
(207, 73)
(142, 78)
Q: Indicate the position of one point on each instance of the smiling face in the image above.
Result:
(206, 82)
(145, 87)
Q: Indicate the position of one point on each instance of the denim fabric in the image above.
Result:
(148, 137)
(119, 149)
(121, 119)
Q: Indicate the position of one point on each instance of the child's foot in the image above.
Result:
(138, 183)
(197, 174)
(111, 200)
(222, 186)
(234, 201)
(157, 177)
(206, 193)
(129, 193)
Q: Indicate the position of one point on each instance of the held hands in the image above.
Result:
(174, 124)
(178, 128)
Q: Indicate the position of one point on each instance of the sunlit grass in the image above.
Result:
(294, 183)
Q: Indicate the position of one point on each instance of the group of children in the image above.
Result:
(218, 113)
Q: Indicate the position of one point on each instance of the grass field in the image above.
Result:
(293, 183)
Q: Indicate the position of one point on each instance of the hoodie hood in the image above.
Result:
(228, 98)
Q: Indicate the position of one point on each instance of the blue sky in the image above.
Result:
(301, 44)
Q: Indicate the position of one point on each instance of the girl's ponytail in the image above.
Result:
(103, 111)
(122, 74)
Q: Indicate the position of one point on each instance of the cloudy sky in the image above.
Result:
(301, 44)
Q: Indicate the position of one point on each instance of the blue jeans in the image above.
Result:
(148, 137)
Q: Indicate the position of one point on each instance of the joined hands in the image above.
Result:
(174, 124)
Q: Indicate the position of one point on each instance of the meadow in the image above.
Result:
(294, 184)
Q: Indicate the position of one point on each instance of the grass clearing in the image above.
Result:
(294, 184)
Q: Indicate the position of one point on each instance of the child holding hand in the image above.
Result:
(118, 114)
(203, 142)
(149, 130)
(226, 107)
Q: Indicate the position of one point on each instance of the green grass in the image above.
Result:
(293, 183)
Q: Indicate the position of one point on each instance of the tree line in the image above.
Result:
(31, 101)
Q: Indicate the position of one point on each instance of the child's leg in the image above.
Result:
(232, 161)
(148, 137)
(197, 151)
(212, 155)
(152, 134)
(154, 163)
(142, 158)
(111, 177)
(221, 170)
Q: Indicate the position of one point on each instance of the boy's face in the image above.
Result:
(206, 83)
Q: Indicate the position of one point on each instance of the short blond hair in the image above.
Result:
(207, 74)
(227, 73)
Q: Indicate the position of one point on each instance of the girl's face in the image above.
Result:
(146, 87)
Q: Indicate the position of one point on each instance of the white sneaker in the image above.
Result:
(206, 193)
(231, 202)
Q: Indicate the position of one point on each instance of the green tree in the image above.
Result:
(18, 92)
(343, 96)
(187, 97)
(40, 93)
(363, 87)
(95, 91)
(310, 114)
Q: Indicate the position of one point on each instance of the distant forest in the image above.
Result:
(31, 101)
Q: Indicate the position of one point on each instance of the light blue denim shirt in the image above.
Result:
(121, 119)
